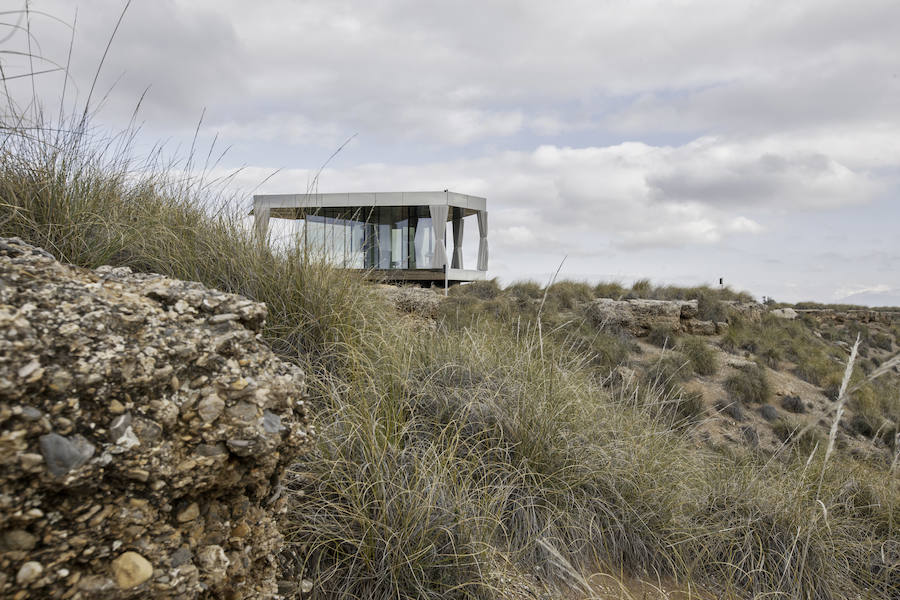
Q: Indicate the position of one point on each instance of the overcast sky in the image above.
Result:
(680, 141)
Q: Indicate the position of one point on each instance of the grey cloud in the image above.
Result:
(726, 174)
(189, 57)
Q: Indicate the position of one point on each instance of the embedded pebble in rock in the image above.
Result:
(131, 570)
(144, 426)
(64, 454)
(189, 514)
(17, 539)
(29, 572)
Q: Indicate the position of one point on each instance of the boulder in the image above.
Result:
(639, 316)
(700, 327)
(142, 423)
(750, 311)
(422, 302)
(784, 313)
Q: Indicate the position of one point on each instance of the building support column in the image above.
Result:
(458, 223)
(482, 240)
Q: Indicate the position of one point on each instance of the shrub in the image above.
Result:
(883, 341)
(701, 356)
(803, 437)
(612, 290)
(770, 355)
(710, 307)
(566, 295)
(768, 412)
(668, 371)
(793, 404)
(663, 337)
(641, 289)
(483, 290)
(525, 290)
(689, 404)
(731, 408)
(749, 385)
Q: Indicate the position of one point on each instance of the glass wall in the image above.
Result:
(384, 237)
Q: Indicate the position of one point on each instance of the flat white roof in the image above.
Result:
(368, 199)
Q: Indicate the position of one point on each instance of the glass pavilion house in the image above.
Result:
(392, 236)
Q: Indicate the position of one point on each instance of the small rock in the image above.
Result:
(180, 557)
(211, 450)
(272, 422)
(138, 474)
(60, 381)
(30, 413)
(213, 561)
(18, 540)
(306, 586)
(210, 408)
(222, 318)
(29, 369)
(131, 570)
(118, 426)
(241, 530)
(116, 407)
(64, 454)
(240, 447)
(189, 514)
(29, 572)
(243, 412)
(127, 441)
(30, 460)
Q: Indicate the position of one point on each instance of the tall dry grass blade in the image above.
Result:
(841, 401)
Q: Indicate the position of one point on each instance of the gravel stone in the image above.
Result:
(63, 454)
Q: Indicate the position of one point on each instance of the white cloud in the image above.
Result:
(633, 195)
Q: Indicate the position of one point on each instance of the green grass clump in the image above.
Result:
(567, 295)
(883, 341)
(483, 290)
(609, 289)
(701, 356)
(524, 291)
(749, 385)
(664, 337)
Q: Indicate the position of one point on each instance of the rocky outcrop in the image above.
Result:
(784, 313)
(639, 316)
(421, 302)
(883, 316)
(143, 428)
(752, 312)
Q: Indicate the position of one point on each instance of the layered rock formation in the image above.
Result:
(639, 316)
(143, 429)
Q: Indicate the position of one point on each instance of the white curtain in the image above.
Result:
(439, 223)
(482, 241)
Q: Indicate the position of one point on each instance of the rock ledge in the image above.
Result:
(143, 429)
